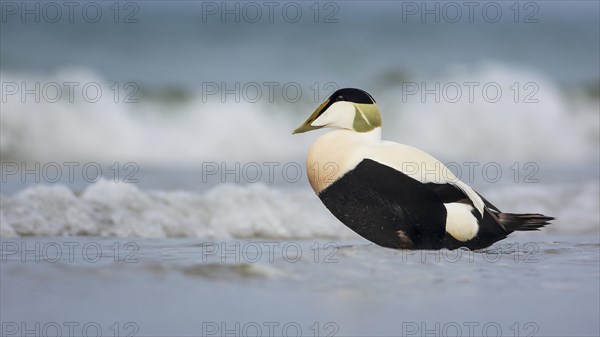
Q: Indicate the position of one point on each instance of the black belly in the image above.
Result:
(387, 207)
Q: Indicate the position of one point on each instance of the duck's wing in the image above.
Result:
(387, 207)
(422, 167)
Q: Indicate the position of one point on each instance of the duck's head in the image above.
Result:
(348, 108)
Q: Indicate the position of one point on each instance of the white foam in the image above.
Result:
(230, 211)
(122, 210)
(46, 210)
(6, 229)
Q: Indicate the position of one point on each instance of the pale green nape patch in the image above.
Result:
(366, 118)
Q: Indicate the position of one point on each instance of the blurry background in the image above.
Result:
(175, 94)
(159, 126)
(173, 53)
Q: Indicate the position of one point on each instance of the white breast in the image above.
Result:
(332, 155)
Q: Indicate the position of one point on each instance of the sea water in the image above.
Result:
(166, 208)
(155, 287)
(270, 260)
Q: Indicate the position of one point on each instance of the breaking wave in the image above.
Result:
(193, 130)
(230, 211)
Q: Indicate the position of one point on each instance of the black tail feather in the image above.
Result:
(524, 222)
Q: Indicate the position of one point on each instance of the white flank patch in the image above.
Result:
(460, 222)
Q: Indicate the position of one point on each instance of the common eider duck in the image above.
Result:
(395, 195)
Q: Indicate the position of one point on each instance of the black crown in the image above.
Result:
(352, 95)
